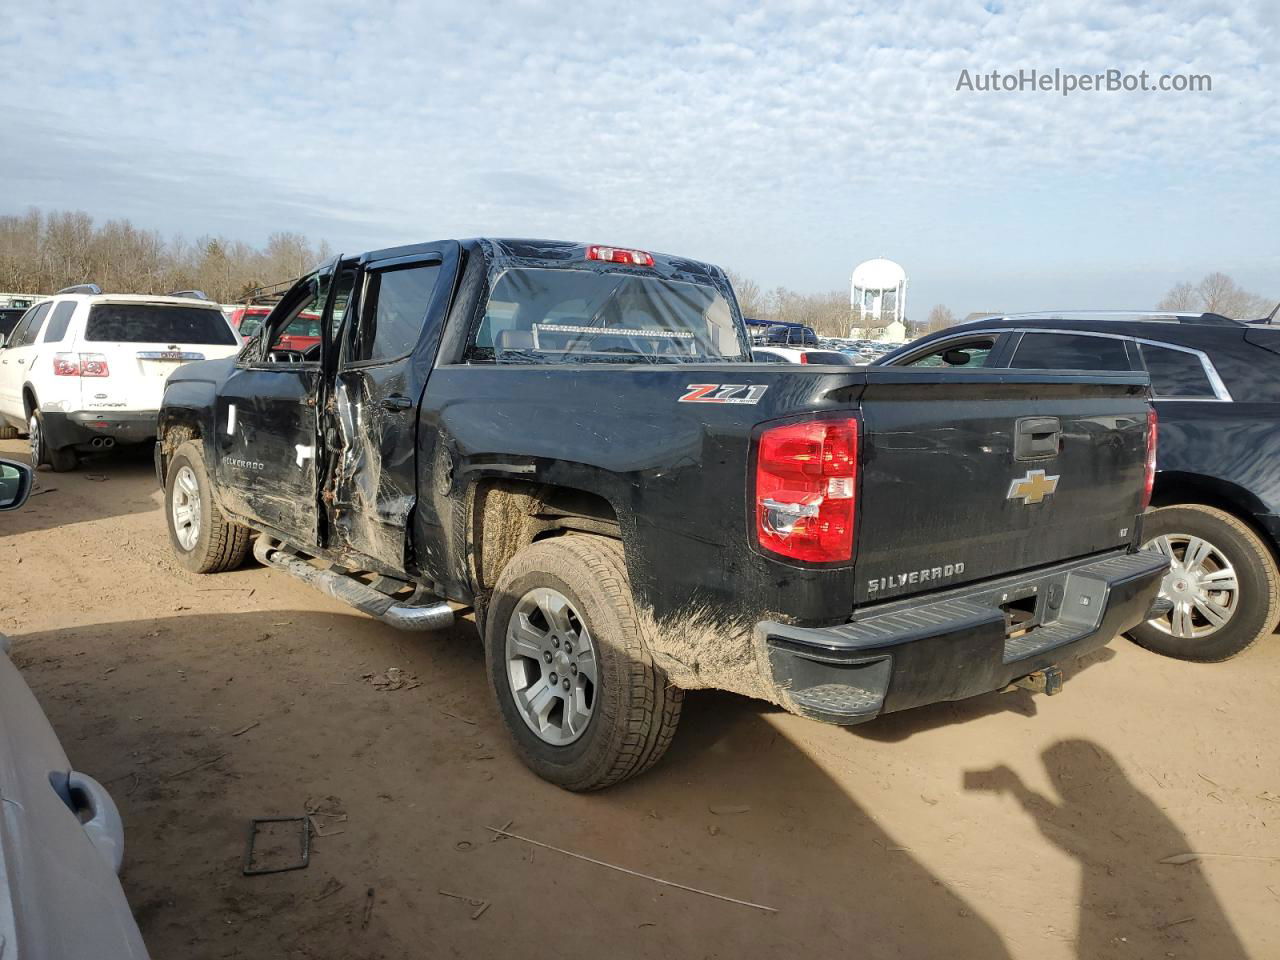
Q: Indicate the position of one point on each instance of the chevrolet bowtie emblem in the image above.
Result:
(1032, 488)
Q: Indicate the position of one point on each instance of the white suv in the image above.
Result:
(85, 370)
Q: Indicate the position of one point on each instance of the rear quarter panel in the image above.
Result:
(676, 474)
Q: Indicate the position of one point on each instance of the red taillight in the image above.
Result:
(804, 498)
(93, 365)
(66, 365)
(80, 365)
(1152, 430)
(804, 358)
(617, 255)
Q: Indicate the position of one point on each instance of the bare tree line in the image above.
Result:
(41, 253)
(1217, 293)
(827, 313)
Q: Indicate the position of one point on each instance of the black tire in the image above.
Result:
(1258, 603)
(42, 455)
(635, 711)
(219, 544)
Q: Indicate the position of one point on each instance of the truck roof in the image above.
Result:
(1111, 316)
(556, 253)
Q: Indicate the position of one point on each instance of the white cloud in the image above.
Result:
(789, 140)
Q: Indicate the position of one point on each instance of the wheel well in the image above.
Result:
(507, 516)
(1191, 489)
(29, 403)
(174, 436)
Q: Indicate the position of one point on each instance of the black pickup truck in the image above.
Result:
(573, 442)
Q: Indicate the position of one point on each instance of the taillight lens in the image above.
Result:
(66, 365)
(93, 365)
(804, 358)
(636, 258)
(80, 365)
(1152, 429)
(804, 497)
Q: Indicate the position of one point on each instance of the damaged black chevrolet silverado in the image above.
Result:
(573, 442)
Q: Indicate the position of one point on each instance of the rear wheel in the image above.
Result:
(578, 691)
(204, 540)
(61, 461)
(1222, 583)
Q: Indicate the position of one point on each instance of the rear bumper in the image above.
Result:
(84, 426)
(910, 653)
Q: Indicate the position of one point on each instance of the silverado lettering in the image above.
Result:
(927, 575)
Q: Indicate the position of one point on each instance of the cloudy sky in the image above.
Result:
(788, 141)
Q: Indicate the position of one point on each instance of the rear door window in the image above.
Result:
(1066, 351)
(157, 323)
(394, 312)
(57, 329)
(1176, 374)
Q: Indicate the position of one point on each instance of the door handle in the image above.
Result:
(1037, 438)
(396, 402)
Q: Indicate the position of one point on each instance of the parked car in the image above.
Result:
(801, 355)
(1216, 504)
(84, 370)
(248, 320)
(789, 334)
(61, 837)
(302, 335)
(573, 441)
(9, 317)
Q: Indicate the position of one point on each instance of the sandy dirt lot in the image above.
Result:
(1005, 826)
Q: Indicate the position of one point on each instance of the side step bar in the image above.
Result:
(402, 616)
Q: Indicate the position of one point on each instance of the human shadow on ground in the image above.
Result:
(1130, 904)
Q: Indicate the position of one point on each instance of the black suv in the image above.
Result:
(1216, 505)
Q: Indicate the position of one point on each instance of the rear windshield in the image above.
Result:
(543, 316)
(157, 323)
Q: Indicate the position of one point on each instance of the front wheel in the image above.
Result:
(204, 540)
(1222, 583)
(576, 685)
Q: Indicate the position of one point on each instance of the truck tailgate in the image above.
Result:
(972, 474)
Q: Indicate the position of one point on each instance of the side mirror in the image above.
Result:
(15, 484)
(956, 358)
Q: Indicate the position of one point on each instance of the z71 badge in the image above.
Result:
(724, 393)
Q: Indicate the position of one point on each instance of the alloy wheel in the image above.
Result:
(33, 440)
(186, 508)
(1201, 584)
(551, 666)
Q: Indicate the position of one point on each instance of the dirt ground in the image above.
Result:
(1005, 826)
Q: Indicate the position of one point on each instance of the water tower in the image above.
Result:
(878, 296)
